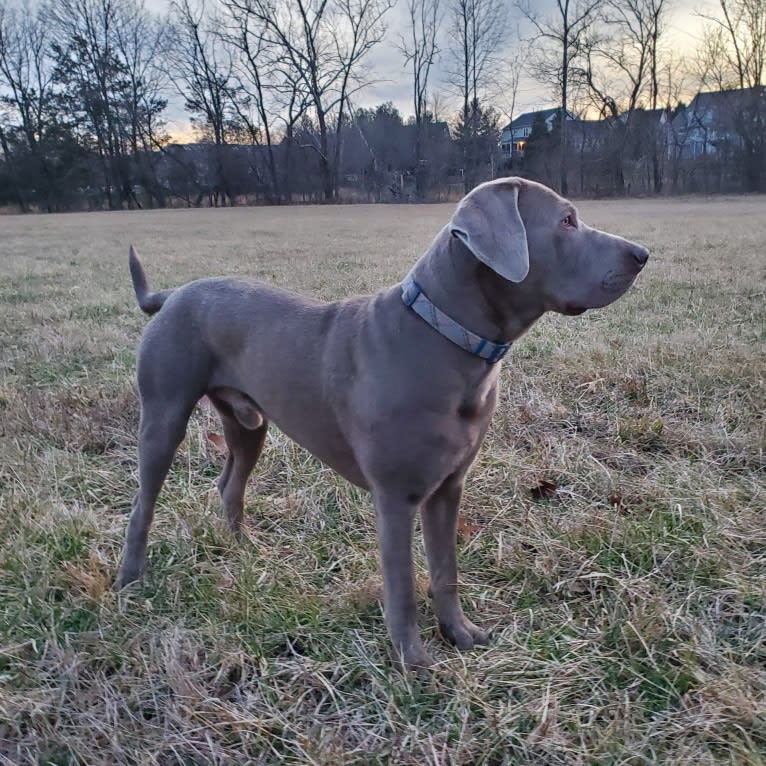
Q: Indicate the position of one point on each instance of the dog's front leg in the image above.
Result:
(395, 518)
(439, 517)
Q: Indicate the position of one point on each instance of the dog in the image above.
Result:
(394, 391)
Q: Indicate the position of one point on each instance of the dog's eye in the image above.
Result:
(569, 221)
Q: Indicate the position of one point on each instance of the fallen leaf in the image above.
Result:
(467, 529)
(617, 500)
(545, 489)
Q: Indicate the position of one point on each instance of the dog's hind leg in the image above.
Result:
(245, 431)
(163, 425)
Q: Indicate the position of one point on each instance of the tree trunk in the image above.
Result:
(324, 162)
(563, 129)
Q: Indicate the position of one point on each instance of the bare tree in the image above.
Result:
(25, 71)
(202, 66)
(507, 83)
(91, 76)
(560, 39)
(710, 66)
(420, 50)
(203, 72)
(323, 43)
(619, 67)
(656, 10)
(734, 45)
(101, 63)
(26, 81)
(142, 42)
(295, 103)
(256, 67)
(477, 31)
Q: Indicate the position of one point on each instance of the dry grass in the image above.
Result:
(614, 530)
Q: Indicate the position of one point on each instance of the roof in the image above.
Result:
(712, 105)
(639, 114)
(717, 98)
(527, 119)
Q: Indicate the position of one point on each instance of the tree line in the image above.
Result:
(271, 89)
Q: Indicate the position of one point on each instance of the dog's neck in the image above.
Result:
(471, 293)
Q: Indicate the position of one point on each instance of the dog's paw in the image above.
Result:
(464, 634)
(413, 656)
(419, 662)
(126, 576)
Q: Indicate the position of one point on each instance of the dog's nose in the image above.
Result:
(641, 254)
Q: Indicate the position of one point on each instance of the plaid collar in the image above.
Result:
(414, 298)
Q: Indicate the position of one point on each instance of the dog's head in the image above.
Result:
(532, 237)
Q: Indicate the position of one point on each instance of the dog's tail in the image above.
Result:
(150, 303)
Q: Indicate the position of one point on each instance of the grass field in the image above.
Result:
(613, 533)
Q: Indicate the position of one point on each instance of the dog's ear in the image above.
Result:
(488, 223)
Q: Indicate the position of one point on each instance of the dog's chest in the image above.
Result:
(474, 412)
(478, 399)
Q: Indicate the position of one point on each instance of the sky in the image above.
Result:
(683, 35)
(393, 79)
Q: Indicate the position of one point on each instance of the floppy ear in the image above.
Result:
(488, 223)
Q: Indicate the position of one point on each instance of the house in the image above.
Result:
(715, 121)
(640, 131)
(587, 135)
(515, 135)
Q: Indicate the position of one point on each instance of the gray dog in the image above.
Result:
(395, 391)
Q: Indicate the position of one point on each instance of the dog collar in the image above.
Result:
(414, 298)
